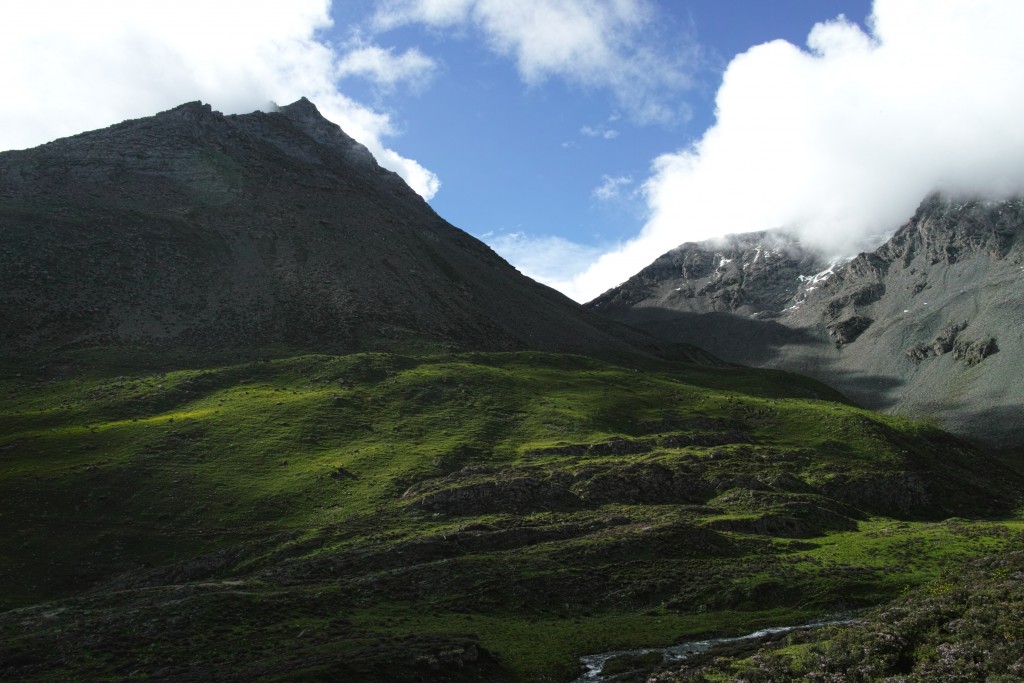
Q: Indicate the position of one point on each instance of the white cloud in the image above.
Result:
(844, 139)
(385, 68)
(545, 258)
(599, 132)
(607, 44)
(611, 186)
(71, 66)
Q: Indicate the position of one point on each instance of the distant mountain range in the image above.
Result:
(928, 325)
(195, 230)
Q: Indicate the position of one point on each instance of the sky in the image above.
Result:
(581, 139)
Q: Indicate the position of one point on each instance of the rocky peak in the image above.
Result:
(308, 118)
(191, 111)
(948, 229)
(751, 272)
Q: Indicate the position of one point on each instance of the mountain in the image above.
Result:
(195, 230)
(231, 450)
(927, 325)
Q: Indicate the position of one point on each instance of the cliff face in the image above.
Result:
(191, 229)
(928, 325)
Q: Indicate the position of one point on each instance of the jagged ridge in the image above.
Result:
(926, 325)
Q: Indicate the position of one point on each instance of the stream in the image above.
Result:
(675, 653)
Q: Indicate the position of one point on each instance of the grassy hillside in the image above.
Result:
(452, 517)
(963, 626)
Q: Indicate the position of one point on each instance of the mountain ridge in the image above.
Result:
(926, 325)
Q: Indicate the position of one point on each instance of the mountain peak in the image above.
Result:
(305, 115)
(192, 229)
(301, 106)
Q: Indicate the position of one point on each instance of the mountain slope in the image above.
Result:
(477, 516)
(191, 229)
(927, 325)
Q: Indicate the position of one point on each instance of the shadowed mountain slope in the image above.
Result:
(927, 325)
(191, 229)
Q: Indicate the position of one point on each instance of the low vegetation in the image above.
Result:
(475, 516)
(966, 625)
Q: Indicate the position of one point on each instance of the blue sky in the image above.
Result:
(517, 157)
(579, 138)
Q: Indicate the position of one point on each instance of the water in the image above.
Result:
(676, 653)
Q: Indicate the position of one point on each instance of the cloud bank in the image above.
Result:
(71, 66)
(604, 44)
(843, 139)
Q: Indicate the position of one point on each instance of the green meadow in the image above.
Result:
(472, 516)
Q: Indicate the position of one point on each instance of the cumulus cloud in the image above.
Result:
(71, 66)
(611, 186)
(545, 258)
(843, 139)
(609, 44)
(386, 69)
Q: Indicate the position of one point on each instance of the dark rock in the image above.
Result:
(341, 473)
(970, 353)
(643, 483)
(198, 231)
(847, 331)
(505, 494)
(942, 344)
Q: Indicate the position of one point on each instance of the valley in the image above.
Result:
(473, 516)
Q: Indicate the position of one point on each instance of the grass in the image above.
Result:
(534, 506)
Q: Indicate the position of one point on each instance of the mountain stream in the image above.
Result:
(594, 664)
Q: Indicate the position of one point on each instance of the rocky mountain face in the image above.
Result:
(191, 229)
(927, 325)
